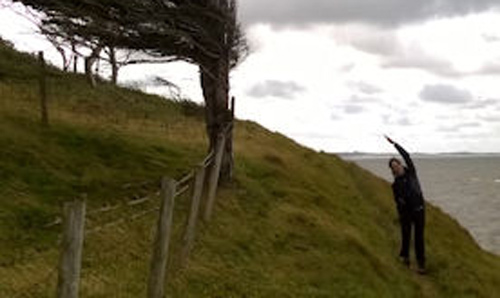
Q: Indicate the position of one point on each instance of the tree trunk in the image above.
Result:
(75, 57)
(114, 65)
(215, 84)
(63, 56)
(89, 62)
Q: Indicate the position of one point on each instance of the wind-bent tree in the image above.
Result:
(203, 32)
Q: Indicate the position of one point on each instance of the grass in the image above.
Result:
(294, 223)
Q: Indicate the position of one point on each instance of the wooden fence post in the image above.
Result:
(214, 176)
(188, 238)
(162, 240)
(72, 246)
(233, 106)
(43, 90)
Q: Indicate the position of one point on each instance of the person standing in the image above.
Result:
(410, 205)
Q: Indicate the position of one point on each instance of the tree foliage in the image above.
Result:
(203, 32)
(190, 30)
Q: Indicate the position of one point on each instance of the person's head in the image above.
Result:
(396, 167)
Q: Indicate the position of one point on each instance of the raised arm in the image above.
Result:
(404, 154)
(406, 157)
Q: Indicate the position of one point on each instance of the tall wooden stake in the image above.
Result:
(159, 258)
(43, 90)
(71, 249)
(214, 176)
(193, 214)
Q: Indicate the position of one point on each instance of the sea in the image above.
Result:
(466, 186)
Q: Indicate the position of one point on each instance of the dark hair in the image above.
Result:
(393, 160)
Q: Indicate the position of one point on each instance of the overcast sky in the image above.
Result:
(337, 75)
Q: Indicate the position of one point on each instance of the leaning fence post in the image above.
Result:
(233, 106)
(43, 90)
(72, 246)
(162, 240)
(214, 176)
(188, 238)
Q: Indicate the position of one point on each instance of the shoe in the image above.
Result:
(405, 261)
(421, 270)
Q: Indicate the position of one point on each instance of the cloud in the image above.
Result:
(413, 56)
(353, 109)
(347, 68)
(335, 117)
(491, 38)
(490, 118)
(445, 94)
(364, 99)
(436, 65)
(424, 62)
(458, 127)
(382, 12)
(274, 88)
(371, 40)
(398, 121)
(315, 135)
(472, 136)
(489, 69)
(364, 87)
(482, 103)
(395, 54)
(404, 121)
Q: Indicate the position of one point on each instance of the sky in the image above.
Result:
(337, 75)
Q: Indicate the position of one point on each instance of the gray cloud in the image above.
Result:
(476, 136)
(281, 89)
(445, 94)
(469, 125)
(490, 118)
(396, 55)
(482, 103)
(371, 40)
(335, 117)
(315, 135)
(353, 109)
(381, 12)
(437, 66)
(424, 62)
(489, 69)
(491, 38)
(458, 127)
(348, 67)
(364, 87)
(364, 99)
(399, 120)
(405, 121)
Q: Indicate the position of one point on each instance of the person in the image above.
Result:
(410, 205)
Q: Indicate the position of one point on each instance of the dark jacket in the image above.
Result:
(406, 188)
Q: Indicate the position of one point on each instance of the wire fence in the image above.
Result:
(50, 96)
(118, 239)
(121, 242)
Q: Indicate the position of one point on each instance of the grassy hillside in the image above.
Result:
(295, 223)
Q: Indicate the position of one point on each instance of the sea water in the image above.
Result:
(467, 187)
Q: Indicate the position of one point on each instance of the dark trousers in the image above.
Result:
(415, 219)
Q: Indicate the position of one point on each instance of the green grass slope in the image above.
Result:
(295, 223)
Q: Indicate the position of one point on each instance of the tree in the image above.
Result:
(203, 32)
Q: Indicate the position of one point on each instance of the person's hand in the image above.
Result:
(389, 140)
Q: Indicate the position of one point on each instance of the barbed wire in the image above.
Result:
(187, 178)
(208, 160)
(139, 207)
(121, 220)
(183, 183)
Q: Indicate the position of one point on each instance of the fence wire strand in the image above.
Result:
(119, 237)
